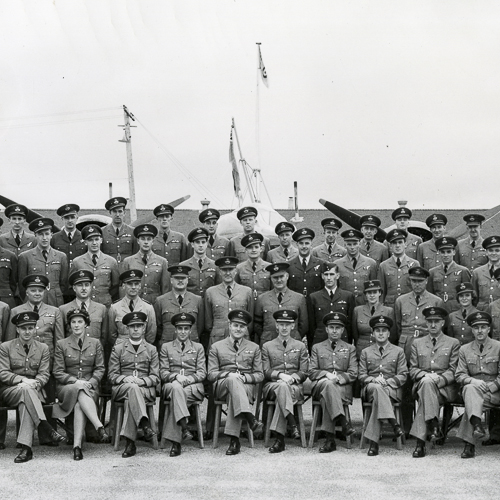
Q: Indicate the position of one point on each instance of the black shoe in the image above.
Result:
(149, 433)
(373, 451)
(208, 435)
(186, 435)
(257, 428)
(469, 451)
(328, 447)
(103, 436)
(77, 453)
(2, 446)
(295, 433)
(175, 451)
(278, 446)
(130, 449)
(490, 442)
(479, 432)
(348, 430)
(419, 451)
(55, 437)
(398, 432)
(25, 455)
(69, 440)
(234, 447)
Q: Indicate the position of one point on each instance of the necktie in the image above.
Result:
(94, 259)
(80, 344)
(131, 305)
(254, 267)
(464, 314)
(491, 271)
(284, 344)
(433, 342)
(45, 254)
(200, 263)
(69, 237)
(117, 233)
(373, 310)
(183, 345)
(368, 245)
(334, 345)
(381, 349)
(236, 345)
(145, 259)
(445, 268)
(165, 237)
(398, 262)
(179, 299)
(84, 307)
(330, 249)
(285, 251)
(229, 293)
(35, 309)
(280, 297)
(331, 295)
(18, 240)
(304, 264)
(481, 347)
(473, 244)
(211, 240)
(417, 299)
(26, 348)
(354, 263)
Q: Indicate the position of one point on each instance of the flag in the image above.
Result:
(263, 72)
(234, 166)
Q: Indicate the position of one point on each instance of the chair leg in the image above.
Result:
(118, 425)
(302, 426)
(166, 409)
(348, 418)
(199, 425)
(314, 424)
(152, 421)
(250, 435)
(366, 416)
(218, 411)
(399, 419)
(270, 412)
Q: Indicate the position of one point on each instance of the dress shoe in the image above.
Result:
(479, 432)
(130, 449)
(490, 442)
(55, 437)
(25, 455)
(348, 430)
(398, 432)
(103, 435)
(419, 451)
(186, 435)
(175, 451)
(257, 428)
(373, 450)
(234, 447)
(295, 433)
(278, 446)
(77, 453)
(149, 433)
(469, 451)
(328, 447)
(208, 435)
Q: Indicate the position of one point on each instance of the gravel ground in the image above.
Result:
(253, 474)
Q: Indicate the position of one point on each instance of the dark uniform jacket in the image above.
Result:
(308, 281)
(28, 241)
(71, 249)
(120, 246)
(98, 328)
(352, 279)
(175, 249)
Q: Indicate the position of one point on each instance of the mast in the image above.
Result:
(127, 139)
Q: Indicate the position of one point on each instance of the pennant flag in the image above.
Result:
(263, 72)
(234, 166)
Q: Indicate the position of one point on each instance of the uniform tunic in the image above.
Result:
(200, 279)
(8, 241)
(352, 279)
(377, 251)
(485, 286)
(98, 328)
(458, 327)
(278, 254)
(8, 277)
(322, 252)
(444, 284)
(308, 281)
(259, 281)
(469, 256)
(175, 249)
(428, 255)
(118, 246)
(219, 249)
(411, 248)
(4, 321)
(494, 311)
(394, 280)
(236, 249)
(71, 249)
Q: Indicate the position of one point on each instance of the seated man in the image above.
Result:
(235, 367)
(24, 371)
(383, 372)
(332, 370)
(134, 373)
(285, 362)
(182, 372)
(479, 375)
(433, 362)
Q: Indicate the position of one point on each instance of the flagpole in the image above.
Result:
(257, 120)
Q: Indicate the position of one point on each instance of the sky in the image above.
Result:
(369, 102)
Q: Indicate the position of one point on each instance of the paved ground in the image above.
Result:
(254, 474)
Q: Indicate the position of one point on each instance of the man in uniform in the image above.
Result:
(331, 298)
(457, 320)
(134, 373)
(17, 240)
(169, 244)
(427, 253)
(401, 216)
(470, 252)
(479, 375)
(155, 278)
(24, 371)
(131, 302)
(103, 267)
(117, 238)
(369, 246)
(234, 369)
(280, 297)
(393, 272)
(286, 363)
(178, 300)
(305, 269)
(382, 372)
(182, 372)
(248, 219)
(330, 250)
(355, 268)
(218, 246)
(445, 277)
(433, 363)
(333, 369)
(45, 260)
(483, 280)
(286, 250)
(8, 275)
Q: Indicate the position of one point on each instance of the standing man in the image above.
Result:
(134, 373)
(483, 277)
(330, 250)
(279, 298)
(287, 250)
(401, 216)
(333, 369)
(427, 253)
(117, 238)
(234, 369)
(369, 246)
(433, 363)
(103, 267)
(155, 278)
(286, 364)
(354, 268)
(17, 240)
(470, 252)
(8, 275)
(218, 246)
(45, 260)
(169, 244)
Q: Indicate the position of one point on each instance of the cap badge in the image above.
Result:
(162, 208)
(82, 274)
(135, 316)
(435, 217)
(403, 211)
(132, 273)
(382, 320)
(432, 311)
(276, 268)
(493, 240)
(91, 229)
(479, 315)
(26, 317)
(115, 201)
(37, 280)
(67, 207)
(209, 213)
(183, 316)
(472, 217)
(445, 240)
(146, 228)
(336, 316)
(40, 223)
(17, 209)
(240, 315)
(285, 314)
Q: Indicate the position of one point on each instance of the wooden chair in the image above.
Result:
(367, 411)
(119, 423)
(199, 427)
(271, 405)
(449, 423)
(316, 413)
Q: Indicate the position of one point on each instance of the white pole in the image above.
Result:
(257, 122)
(130, 166)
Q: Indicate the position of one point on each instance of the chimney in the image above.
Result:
(204, 204)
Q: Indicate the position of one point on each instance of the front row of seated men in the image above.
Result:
(236, 366)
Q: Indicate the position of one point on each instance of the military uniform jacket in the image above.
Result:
(392, 365)
(223, 359)
(4, 320)
(292, 360)
(117, 330)
(71, 249)
(219, 249)
(72, 364)
(494, 311)
(28, 241)
(341, 361)
(175, 249)
(352, 279)
(15, 364)
(201, 279)
(217, 307)
(412, 243)
(8, 275)
(321, 251)
(143, 363)
(236, 249)
(470, 257)
(444, 285)
(485, 286)
(259, 281)
(458, 327)
(395, 280)
(320, 304)
(361, 317)
(427, 255)
(98, 328)
(106, 276)
(378, 251)
(308, 281)
(167, 306)
(120, 246)
(55, 269)
(156, 278)
(267, 304)
(175, 361)
(278, 254)
(483, 366)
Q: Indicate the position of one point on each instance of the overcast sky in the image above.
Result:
(369, 102)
